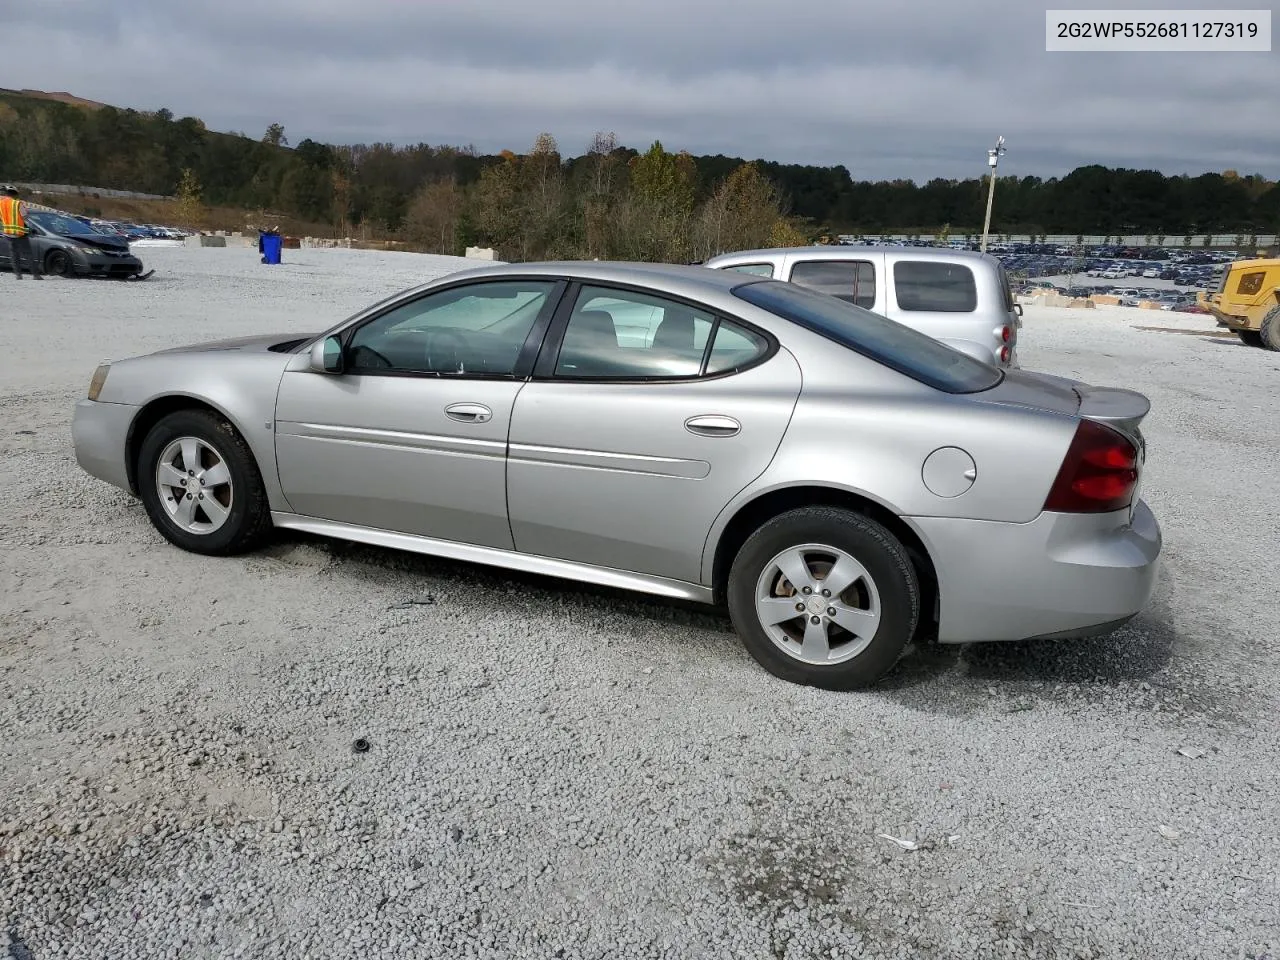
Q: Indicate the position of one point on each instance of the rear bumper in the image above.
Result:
(1061, 575)
(100, 432)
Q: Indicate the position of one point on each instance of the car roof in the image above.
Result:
(829, 252)
(618, 271)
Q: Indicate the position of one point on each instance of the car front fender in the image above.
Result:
(240, 387)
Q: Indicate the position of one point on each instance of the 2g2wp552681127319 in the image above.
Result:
(1244, 31)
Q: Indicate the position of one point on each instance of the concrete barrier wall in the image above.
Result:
(1063, 240)
(66, 189)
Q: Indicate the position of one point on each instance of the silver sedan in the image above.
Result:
(840, 482)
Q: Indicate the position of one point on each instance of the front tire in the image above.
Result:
(824, 597)
(1270, 329)
(57, 263)
(201, 485)
(1250, 338)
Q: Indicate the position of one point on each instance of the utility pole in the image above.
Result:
(993, 157)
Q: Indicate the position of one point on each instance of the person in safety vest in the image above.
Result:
(13, 225)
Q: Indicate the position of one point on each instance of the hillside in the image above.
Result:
(606, 200)
(61, 97)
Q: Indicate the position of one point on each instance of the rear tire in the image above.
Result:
(57, 263)
(1250, 338)
(846, 639)
(201, 485)
(1270, 329)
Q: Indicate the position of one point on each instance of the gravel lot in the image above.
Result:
(615, 778)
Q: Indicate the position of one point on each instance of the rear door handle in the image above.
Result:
(713, 426)
(469, 412)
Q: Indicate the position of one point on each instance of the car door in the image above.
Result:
(411, 434)
(645, 416)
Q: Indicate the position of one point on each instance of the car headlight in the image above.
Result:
(99, 379)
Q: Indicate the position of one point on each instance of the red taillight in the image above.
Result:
(1004, 354)
(1098, 475)
(1006, 333)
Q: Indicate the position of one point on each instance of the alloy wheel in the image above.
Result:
(194, 484)
(818, 604)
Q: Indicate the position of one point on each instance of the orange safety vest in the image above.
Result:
(12, 223)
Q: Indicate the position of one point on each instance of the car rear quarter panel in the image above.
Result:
(862, 428)
(241, 386)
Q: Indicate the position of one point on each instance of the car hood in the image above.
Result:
(256, 344)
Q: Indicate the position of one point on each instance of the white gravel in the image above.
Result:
(616, 778)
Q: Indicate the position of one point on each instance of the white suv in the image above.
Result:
(957, 296)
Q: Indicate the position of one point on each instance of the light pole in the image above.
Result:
(993, 157)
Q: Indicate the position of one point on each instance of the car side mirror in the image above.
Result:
(1017, 308)
(326, 355)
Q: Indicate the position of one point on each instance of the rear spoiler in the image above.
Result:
(1122, 409)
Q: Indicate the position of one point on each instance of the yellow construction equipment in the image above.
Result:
(1247, 302)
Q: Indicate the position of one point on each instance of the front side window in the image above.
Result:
(474, 330)
(625, 335)
(853, 281)
(933, 286)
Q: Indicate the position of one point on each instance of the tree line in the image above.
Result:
(610, 201)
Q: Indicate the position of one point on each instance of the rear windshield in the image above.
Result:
(908, 351)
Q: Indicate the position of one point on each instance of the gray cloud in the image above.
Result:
(889, 89)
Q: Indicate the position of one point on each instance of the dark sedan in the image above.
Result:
(68, 247)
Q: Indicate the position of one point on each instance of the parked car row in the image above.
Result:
(1129, 296)
(134, 231)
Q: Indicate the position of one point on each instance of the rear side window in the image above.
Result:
(893, 344)
(932, 286)
(627, 335)
(853, 281)
(734, 347)
(756, 269)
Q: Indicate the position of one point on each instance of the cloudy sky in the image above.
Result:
(913, 89)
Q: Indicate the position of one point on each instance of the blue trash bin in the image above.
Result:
(272, 244)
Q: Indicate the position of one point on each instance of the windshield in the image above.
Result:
(60, 224)
(903, 349)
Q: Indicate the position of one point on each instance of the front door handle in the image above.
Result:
(713, 426)
(469, 412)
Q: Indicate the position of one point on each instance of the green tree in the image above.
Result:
(433, 216)
(275, 136)
(740, 214)
(190, 204)
(496, 210)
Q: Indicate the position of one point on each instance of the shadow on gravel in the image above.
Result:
(1136, 664)
(959, 679)
(444, 577)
